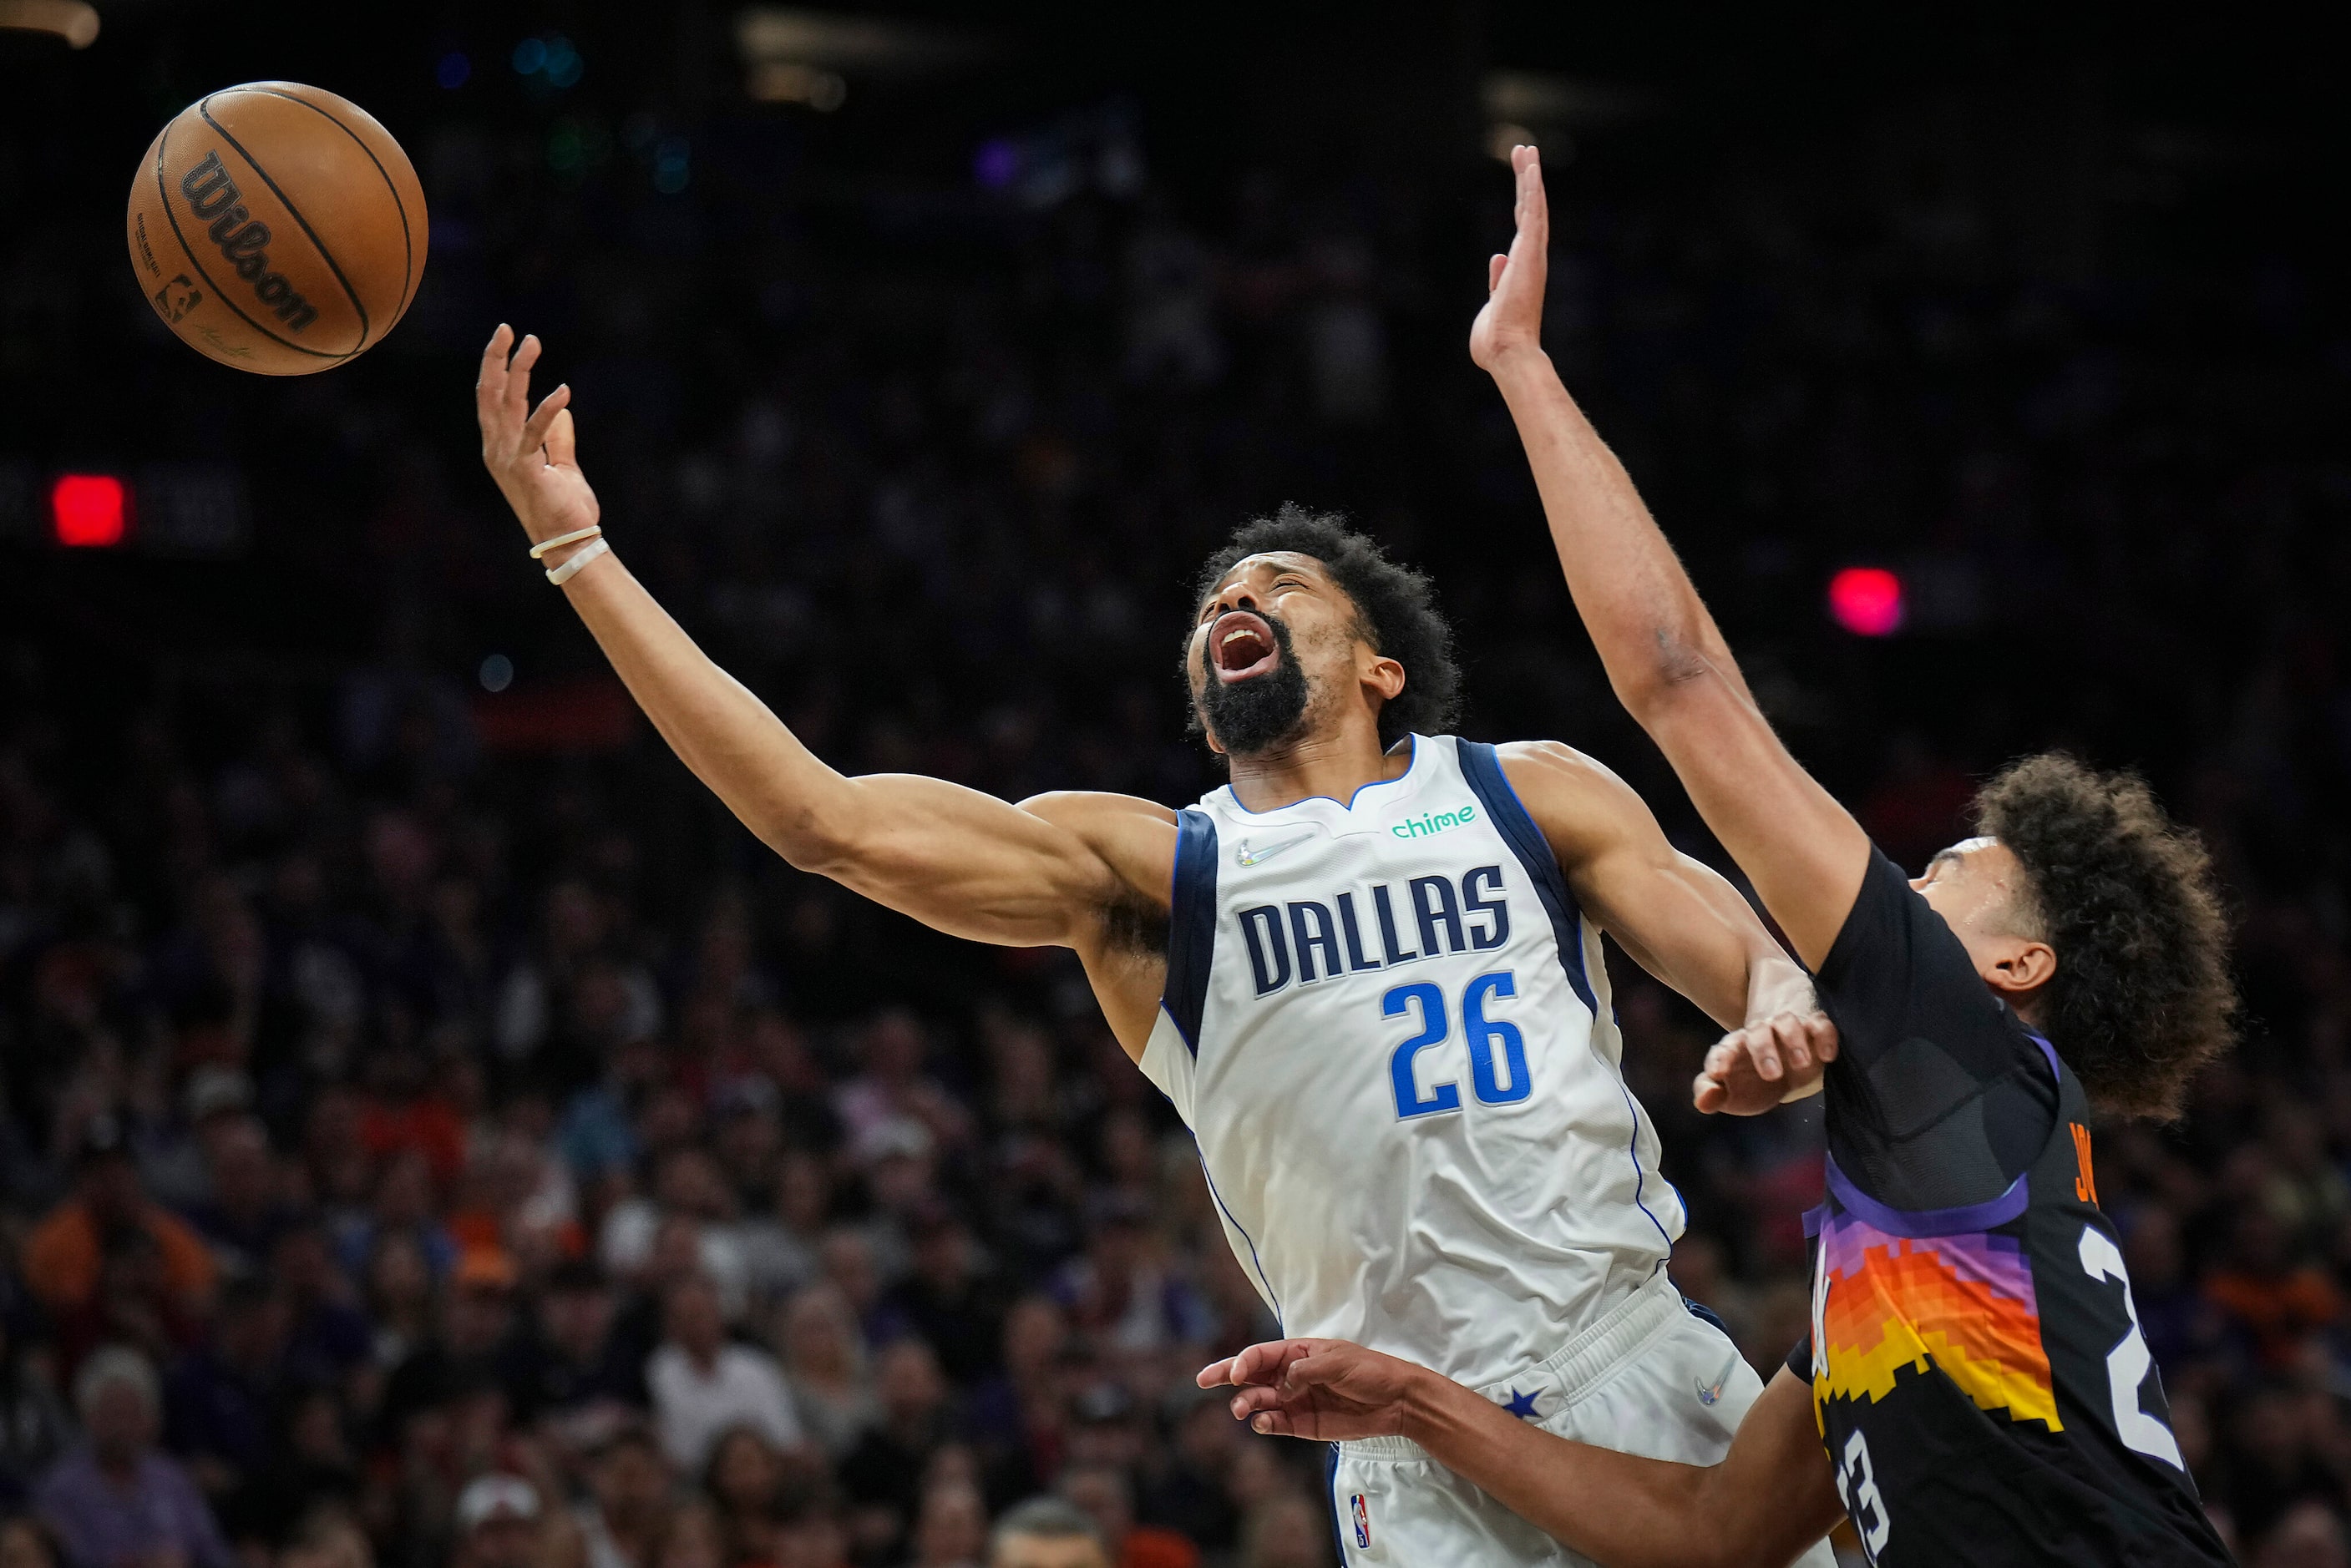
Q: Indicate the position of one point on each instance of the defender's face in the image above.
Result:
(1978, 886)
(1233, 644)
(1973, 885)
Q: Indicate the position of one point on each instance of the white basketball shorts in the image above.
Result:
(1651, 1378)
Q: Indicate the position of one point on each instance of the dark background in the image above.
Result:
(921, 412)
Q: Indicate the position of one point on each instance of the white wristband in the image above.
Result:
(560, 540)
(563, 574)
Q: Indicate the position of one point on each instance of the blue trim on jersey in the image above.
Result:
(1982, 1216)
(1346, 805)
(1191, 923)
(1641, 1177)
(1264, 1284)
(1330, 1491)
(1491, 785)
(1706, 1313)
(2049, 1051)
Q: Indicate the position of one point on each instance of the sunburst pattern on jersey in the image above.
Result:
(1962, 1303)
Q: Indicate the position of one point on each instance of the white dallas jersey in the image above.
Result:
(1388, 1025)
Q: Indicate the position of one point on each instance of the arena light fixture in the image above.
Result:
(71, 20)
(808, 58)
(1867, 601)
(89, 510)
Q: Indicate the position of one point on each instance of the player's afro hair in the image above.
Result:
(1396, 606)
(2142, 997)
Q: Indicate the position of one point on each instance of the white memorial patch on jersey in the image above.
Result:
(1388, 1025)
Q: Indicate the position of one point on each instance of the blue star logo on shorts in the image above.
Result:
(1522, 1406)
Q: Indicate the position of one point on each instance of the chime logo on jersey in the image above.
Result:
(1363, 1523)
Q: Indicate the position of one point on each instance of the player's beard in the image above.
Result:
(1255, 715)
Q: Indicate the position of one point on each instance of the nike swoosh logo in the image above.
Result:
(1707, 1395)
(1249, 855)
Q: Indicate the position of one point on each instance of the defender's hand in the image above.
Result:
(530, 452)
(1764, 1064)
(1325, 1390)
(1511, 320)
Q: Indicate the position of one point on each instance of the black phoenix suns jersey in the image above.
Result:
(1977, 1367)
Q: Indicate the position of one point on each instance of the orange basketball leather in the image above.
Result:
(277, 228)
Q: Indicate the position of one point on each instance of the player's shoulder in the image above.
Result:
(1575, 800)
(1559, 775)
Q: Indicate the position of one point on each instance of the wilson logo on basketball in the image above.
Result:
(243, 240)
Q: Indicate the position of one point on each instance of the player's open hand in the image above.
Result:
(1764, 1064)
(1325, 1390)
(529, 451)
(1511, 320)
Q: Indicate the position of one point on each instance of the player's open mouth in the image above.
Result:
(1240, 645)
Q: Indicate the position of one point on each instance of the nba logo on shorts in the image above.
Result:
(1362, 1523)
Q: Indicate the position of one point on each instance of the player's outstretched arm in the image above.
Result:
(1770, 1498)
(1683, 923)
(1664, 657)
(963, 862)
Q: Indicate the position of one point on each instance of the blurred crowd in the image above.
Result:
(433, 1132)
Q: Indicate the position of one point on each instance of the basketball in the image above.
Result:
(277, 228)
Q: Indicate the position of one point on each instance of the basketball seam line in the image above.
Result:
(296, 213)
(407, 239)
(163, 194)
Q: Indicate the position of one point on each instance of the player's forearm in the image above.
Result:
(1619, 1509)
(806, 811)
(1643, 614)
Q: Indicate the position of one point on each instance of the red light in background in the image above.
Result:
(90, 511)
(1867, 601)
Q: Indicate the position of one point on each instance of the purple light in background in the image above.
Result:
(996, 163)
(454, 70)
(1867, 601)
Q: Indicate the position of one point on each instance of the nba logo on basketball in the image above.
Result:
(1362, 1523)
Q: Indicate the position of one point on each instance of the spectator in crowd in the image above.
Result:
(25, 1542)
(497, 1524)
(620, 1521)
(221, 1402)
(474, 1345)
(579, 1375)
(34, 1426)
(327, 1538)
(246, 1210)
(949, 1298)
(109, 1216)
(694, 1538)
(1047, 1533)
(117, 1498)
(1286, 1531)
(2274, 1300)
(951, 1527)
(703, 1384)
(1120, 1290)
(746, 1486)
(1106, 1496)
(825, 1367)
(2310, 1535)
(882, 1475)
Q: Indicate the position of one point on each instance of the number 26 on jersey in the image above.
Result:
(1497, 1051)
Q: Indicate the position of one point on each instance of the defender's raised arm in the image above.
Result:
(1665, 659)
(952, 857)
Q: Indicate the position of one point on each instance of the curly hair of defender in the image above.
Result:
(1396, 609)
(2142, 997)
